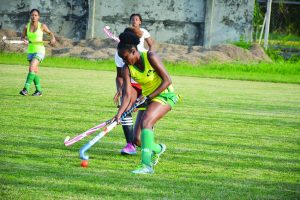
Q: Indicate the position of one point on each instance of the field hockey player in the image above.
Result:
(147, 70)
(132, 138)
(36, 50)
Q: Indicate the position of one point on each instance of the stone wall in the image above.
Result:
(227, 21)
(188, 22)
(170, 21)
(67, 18)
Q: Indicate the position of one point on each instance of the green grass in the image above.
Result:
(228, 139)
(243, 44)
(284, 37)
(270, 72)
(284, 72)
(284, 41)
(59, 62)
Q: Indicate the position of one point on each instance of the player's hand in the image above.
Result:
(117, 119)
(25, 41)
(52, 41)
(144, 101)
(117, 97)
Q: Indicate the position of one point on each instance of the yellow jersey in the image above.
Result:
(148, 78)
(34, 37)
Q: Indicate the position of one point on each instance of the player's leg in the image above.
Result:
(38, 58)
(151, 151)
(138, 128)
(127, 125)
(155, 111)
(30, 76)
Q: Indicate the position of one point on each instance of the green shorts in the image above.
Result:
(169, 98)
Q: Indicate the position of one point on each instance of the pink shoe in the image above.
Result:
(129, 149)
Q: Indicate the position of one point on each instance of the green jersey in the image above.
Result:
(34, 37)
(147, 78)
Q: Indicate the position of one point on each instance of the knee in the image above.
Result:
(147, 123)
(33, 69)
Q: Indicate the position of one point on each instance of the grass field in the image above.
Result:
(277, 72)
(227, 139)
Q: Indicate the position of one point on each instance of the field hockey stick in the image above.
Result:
(107, 31)
(105, 131)
(9, 41)
(69, 142)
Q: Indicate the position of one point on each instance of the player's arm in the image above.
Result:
(24, 34)
(51, 34)
(161, 71)
(150, 44)
(119, 83)
(126, 98)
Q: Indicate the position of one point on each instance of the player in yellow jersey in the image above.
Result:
(36, 50)
(132, 139)
(148, 71)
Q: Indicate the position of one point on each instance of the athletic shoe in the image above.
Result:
(143, 169)
(37, 93)
(129, 149)
(155, 156)
(24, 92)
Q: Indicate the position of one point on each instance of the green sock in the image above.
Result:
(148, 146)
(156, 148)
(37, 83)
(29, 80)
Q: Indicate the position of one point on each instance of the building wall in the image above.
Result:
(227, 21)
(189, 22)
(171, 21)
(67, 18)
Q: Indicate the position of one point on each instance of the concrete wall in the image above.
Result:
(67, 18)
(171, 21)
(228, 20)
(189, 22)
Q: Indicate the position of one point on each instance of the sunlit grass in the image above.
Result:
(284, 72)
(227, 139)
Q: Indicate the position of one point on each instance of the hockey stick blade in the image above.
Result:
(103, 133)
(69, 142)
(107, 31)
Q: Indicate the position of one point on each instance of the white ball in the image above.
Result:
(107, 27)
(4, 38)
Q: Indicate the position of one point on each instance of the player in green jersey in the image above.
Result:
(36, 50)
(148, 71)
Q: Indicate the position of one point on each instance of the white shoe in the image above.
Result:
(143, 169)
